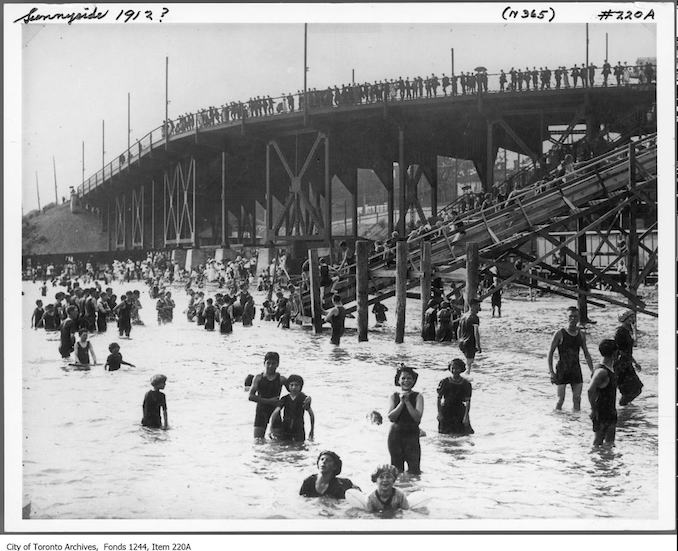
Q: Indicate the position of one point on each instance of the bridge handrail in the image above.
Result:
(158, 134)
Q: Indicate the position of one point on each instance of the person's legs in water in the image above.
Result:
(561, 396)
(395, 449)
(412, 453)
(576, 395)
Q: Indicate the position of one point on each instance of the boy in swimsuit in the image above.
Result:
(336, 317)
(68, 328)
(114, 360)
(568, 341)
(265, 391)
(292, 409)
(38, 313)
(603, 393)
(155, 402)
(386, 497)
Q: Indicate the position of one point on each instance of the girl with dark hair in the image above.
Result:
(405, 411)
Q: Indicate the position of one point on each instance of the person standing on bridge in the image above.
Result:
(502, 81)
(469, 333)
(575, 76)
(568, 341)
(618, 71)
(607, 69)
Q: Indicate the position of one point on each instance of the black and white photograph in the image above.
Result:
(339, 267)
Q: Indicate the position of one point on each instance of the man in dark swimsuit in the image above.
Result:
(68, 329)
(602, 395)
(568, 341)
(469, 333)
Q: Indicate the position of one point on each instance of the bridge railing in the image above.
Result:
(237, 113)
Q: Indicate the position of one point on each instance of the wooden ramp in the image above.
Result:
(598, 190)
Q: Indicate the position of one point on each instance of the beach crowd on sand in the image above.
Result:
(409, 88)
(88, 304)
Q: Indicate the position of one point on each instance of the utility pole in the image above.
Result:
(37, 189)
(83, 161)
(305, 71)
(56, 195)
(103, 150)
(587, 47)
(129, 131)
(606, 52)
(352, 76)
(452, 60)
(166, 99)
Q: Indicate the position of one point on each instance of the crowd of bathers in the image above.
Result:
(408, 88)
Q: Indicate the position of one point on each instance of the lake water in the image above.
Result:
(86, 456)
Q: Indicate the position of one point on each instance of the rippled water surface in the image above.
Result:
(86, 455)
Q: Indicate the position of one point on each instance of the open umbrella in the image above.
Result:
(480, 69)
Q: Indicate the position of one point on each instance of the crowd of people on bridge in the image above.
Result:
(417, 87)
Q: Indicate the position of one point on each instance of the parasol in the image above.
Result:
(480, 69)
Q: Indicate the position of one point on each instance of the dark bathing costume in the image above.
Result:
(67, 339)
(82, 353)
(267, 389)
(293, 418)
(452, 411)
(607, 412)
(403, 438)
(153, 402)
(337, 323)
(629, 384)
(336, 488)
(568, 370)
(467, 338)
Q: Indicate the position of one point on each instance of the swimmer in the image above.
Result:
(327, 482)
(386, 497)
(336, 317)
(265, 391)
(155, 402)
(114, 360)
(83, 350)
(602, 394)
(210, 314)
(469, 333)
(405, 411)
(375, 417)
(38, 314)
(68, 328)
(292, 407)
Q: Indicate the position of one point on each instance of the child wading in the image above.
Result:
(83, 350)
(292, 407)
(336, 317)
(454, 401)
(404, 411)
(114, 360)
(154, 402)
(386, 497)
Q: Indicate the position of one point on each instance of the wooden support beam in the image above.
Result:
(425, 278)
(472, 264)
(314, 277)
(519, 142)
(362, 278)
(401, 289)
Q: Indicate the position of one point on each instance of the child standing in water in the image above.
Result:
(114, 360)
(386, 497)
(292, 407)
(38, 313)
(404, 411)
(379, 311)
(336, 317)
(154, 402)
(83, 350)
(210, 315)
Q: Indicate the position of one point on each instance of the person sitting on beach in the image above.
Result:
(265, 391)
(83, 350)
(114, 360)
(454, 401)
(155, 402)
(292, 409)
(336, 317)
(327, 482)
(386, 497)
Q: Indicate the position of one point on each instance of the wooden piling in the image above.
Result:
(314, 277)
(425, 278)
(632, 264)
(472, 264)
(582, 285)
(362, 278)
(401, 289)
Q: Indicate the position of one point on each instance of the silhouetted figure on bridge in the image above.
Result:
(575, 76)
(502, 81)
(607, 69)
(618, 72)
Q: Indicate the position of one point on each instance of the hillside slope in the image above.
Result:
(59, 231)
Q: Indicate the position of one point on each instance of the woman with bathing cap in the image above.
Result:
(628, 382)
(326, 482)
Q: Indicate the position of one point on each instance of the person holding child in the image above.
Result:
(405, 411)
(292, 408)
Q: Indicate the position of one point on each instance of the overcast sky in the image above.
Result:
(76, 76)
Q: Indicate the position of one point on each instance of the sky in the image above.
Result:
(74, 77)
